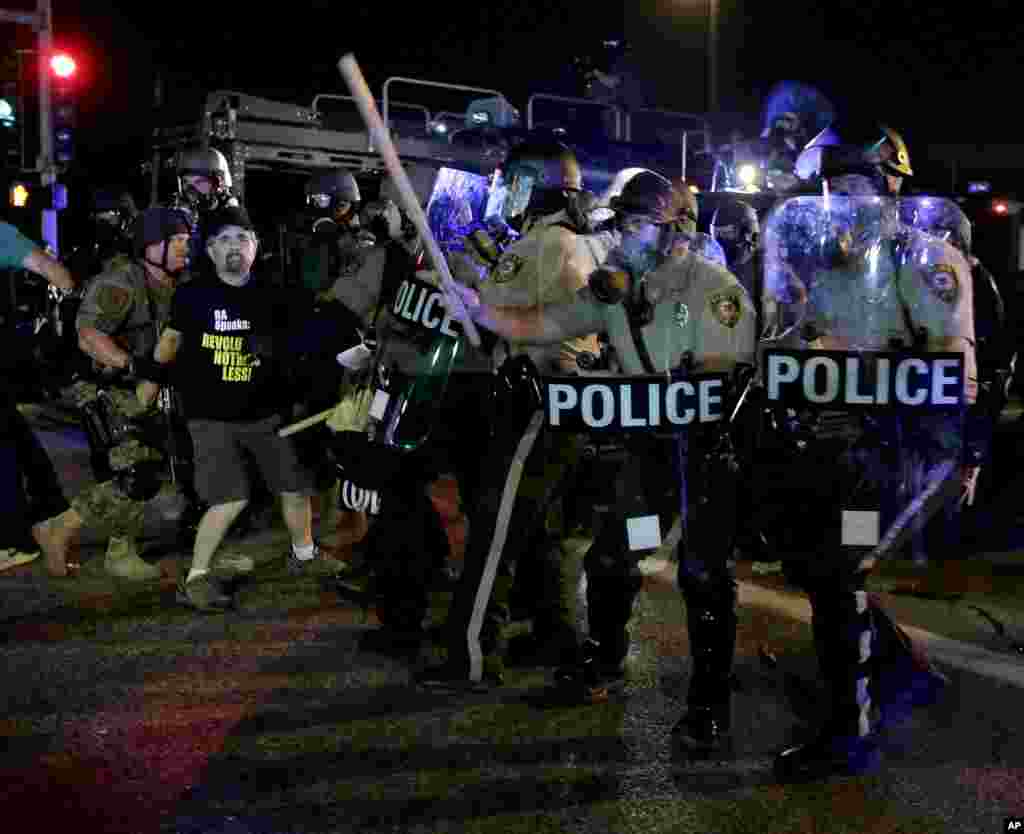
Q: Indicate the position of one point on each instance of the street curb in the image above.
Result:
(981, 661)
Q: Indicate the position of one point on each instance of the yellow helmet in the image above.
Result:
(893, 153)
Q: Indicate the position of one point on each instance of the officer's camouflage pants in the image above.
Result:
(105, 506)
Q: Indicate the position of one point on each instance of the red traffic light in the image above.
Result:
(63, 65)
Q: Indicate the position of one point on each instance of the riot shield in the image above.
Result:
(938, 217)
(703, 244)
(419, 343)
(866, 375)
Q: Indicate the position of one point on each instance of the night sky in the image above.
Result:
(937, 73)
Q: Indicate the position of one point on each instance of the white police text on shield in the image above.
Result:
(422, 305)
(648, 403)
(845, 380)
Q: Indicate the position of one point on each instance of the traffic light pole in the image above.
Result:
(47, 168)
(42, 22)
(45, 164)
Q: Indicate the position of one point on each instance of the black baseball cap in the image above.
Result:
(228, 216)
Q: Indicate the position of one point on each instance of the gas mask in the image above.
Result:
(645, 244)
(203, 194)
(611, 285)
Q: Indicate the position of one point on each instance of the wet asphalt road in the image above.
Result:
(122, 712)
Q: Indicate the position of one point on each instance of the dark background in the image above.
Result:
(938, 73)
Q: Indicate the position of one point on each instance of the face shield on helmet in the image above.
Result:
(334, 195)
(539, 177)
(204, 178)
(873, 152)
(518, 188)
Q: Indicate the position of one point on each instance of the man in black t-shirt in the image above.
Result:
(221, 336)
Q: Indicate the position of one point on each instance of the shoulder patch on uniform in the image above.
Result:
(113, 300)
(943, 282)
(508, 267)
(726, 307)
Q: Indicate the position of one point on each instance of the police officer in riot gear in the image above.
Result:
(204, 181)
(118, 325)
(667, 311)
(872, 152)
(204, 187)
(546, 205)
(737, 229)
(874, 286)
(336, 245)
(994, 341)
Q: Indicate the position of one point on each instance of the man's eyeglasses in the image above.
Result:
(227, 238)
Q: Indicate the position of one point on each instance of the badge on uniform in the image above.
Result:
(726, 308)
(508, 267)
(943, 283)
(681, 314)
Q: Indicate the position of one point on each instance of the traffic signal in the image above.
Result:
(19, 195)
(64, 69)
(63, 66)
(63, 125)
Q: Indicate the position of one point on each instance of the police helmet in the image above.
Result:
(650, 195)
(155, 225)
(549, 163)
(209, 163)
(736, 228)
(331, 188)
(537, 174)
(854, 149)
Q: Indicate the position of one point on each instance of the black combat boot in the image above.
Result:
(902, 679)
(846, 745)
(600, 665)
(705, 729)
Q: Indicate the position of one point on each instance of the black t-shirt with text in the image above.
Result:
(224, 369)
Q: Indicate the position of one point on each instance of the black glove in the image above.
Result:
(142, 367)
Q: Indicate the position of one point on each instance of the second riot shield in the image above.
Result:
(866, 376)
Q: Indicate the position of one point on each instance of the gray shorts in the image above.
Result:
(220, 452)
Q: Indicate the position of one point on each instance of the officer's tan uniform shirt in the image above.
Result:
(865, 306)
(548, 265)
(700, 309)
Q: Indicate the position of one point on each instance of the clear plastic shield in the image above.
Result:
(938, 217)
(847, 273)
(868, 363)
(703, 244)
